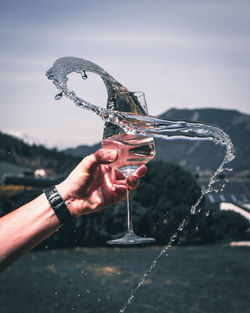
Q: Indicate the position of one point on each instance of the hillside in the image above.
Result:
(82, 150)
(17, 156)
(193, 154)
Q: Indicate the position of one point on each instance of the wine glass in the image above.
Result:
(133, 152)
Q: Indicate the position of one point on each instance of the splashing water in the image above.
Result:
(128, 119)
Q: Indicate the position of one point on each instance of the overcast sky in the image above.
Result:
(182, 54)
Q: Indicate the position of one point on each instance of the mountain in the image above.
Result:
(207, 155)
(203, 154)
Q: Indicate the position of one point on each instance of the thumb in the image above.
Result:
(101, 156)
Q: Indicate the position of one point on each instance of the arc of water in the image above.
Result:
(134, 124)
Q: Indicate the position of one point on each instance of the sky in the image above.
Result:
(184, 54)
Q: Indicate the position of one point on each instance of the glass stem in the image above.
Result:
(129, 208)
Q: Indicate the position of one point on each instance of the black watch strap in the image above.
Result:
(59, 206)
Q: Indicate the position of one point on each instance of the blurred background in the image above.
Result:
(192, 60)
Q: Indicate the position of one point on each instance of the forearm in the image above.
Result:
(91, 186)
(24, 228)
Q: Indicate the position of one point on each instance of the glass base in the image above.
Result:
(130, 239)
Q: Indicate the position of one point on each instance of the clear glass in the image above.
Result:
(133, 152)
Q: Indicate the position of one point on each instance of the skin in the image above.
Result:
(91, 186)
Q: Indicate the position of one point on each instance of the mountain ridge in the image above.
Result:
(198, 154)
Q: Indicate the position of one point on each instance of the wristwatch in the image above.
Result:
(59, 206)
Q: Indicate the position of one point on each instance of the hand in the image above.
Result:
(93, 184)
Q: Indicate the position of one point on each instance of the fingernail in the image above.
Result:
(132, 181)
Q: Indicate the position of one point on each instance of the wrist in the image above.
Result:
(76, 206)
(67, 198)
(59, 206)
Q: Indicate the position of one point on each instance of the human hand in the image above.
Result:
(94, 184)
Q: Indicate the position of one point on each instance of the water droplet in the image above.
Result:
(229, 169)
(99, 300)
(174, 236)
(50, 75)
(130, 299)
(58, 96)
(141, 283)
(207, 213)
(222, 187)
(111, 105)
(87, 290)
(84, 75)
(153, 264)
(193, 210)
(181, 226)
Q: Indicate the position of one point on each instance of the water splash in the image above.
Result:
(120, 97)
(128, 119)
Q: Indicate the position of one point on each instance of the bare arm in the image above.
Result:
(25, 228)
(92, 185)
